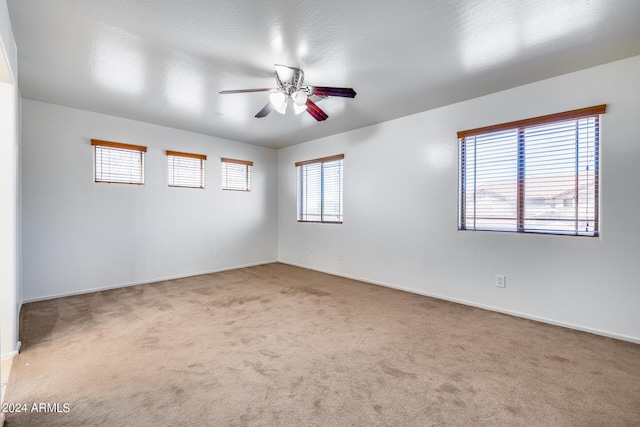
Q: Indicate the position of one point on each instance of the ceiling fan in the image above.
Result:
(291, 92)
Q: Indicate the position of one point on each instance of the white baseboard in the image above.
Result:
(141, 282)
(11, 354)
(473, 304)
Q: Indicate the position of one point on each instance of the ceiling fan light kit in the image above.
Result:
(290, 91)
(280, 101)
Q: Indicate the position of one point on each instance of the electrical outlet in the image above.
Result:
(311, 251)
(501, 281)
(339, 257)
(216, 253)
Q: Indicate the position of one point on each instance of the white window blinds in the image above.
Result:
(537, 175)
(185, 169)
(319, 189)
(115, 162)
(236, 174)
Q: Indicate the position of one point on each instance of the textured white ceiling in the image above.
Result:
(164, 61)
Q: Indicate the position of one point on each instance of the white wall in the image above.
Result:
(400, 209)
(80, 236)
(9, 194)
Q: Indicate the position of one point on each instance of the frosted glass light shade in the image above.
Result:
(279, 101)
(299, 98)
(299, 108)
(299, 101)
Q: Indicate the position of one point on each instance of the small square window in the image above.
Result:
(185, 169)
(119, 163)
(236, 174)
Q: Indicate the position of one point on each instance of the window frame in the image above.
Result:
(519, 126)
(101, 144)
(247, 174)
(181, 154)
(299, 189)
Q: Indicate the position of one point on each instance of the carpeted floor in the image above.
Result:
(277, 345)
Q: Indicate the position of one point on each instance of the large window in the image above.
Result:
(185, 169)
(236, 174)
(319, 189)
(115, 162)
(537, 175)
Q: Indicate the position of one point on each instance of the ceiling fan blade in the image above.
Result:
(345, 92)
(265, 110)
(315, 111)
(266, 89)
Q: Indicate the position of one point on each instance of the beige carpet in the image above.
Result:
(276, 345)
